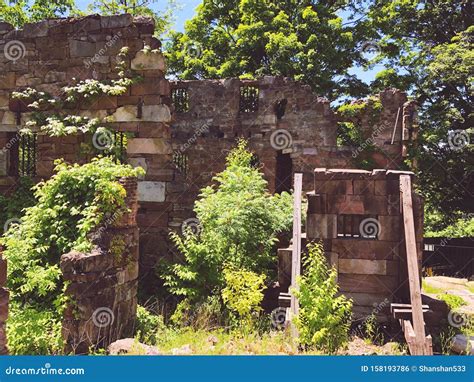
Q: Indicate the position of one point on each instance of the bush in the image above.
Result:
(238, 226)
(324, 318)
(70, 205)
(148, 325)
(33, 331)
(453, 301)
(243, 293)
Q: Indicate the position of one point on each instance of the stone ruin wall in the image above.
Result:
(59, 52)
(56, 51)
(103, 284)
(210, 127)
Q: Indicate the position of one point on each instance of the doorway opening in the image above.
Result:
(284, 172)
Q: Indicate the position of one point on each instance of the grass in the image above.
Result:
(427, 288)
(221, 342)
(453, 301)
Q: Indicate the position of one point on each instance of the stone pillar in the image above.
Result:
(4, 297)
(102, 288)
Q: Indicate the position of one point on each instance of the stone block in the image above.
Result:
(119, 21)
(368, 267)
(151, 191)
(390, 229)
(316, 203)
(78, 48)
(7, 81)
(148, 61)
(148, 146)
(321, 226)
(156, 113)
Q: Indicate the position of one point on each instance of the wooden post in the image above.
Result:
(419, 338)
(296, 254)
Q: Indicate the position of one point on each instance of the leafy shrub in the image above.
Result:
(148, 325)
(324, 318)
(243, 293)
(200, 315)
(239, 222)
(70, 205)
(11, 207)
(33, 331)
(453, 301)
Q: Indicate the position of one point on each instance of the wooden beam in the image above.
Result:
(296, 255)
(412, 263)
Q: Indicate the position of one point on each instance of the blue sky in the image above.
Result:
(187, 10)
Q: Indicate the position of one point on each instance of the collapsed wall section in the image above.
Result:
(102, 285)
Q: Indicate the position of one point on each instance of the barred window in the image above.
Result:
(248, 99)
(27, 155)
(358, 226)
(181, 161)
(180, 98)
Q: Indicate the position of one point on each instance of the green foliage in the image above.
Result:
(371, 330)
(243, 293)
(238, 226)
(453, 301)
(33, 331)
(70, 205)
(305, 40)
(20, 12)
(437, 225)
(48, 111)
(11, 207)
(356, 129)
(427, 48)
(163, 19)
(148, 325)
(324, 318)
(204, 314)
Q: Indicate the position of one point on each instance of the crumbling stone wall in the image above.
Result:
(4, 298)
(55, 53)
(291, 130)
(102, 290)
(358, 217)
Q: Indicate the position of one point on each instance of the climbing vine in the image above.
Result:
(351, 133)
(47, 111)
(70, 206)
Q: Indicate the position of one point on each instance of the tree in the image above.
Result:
(428, 50)
(136, 8)
(236, 227)
(305, 40)
(19, 12)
